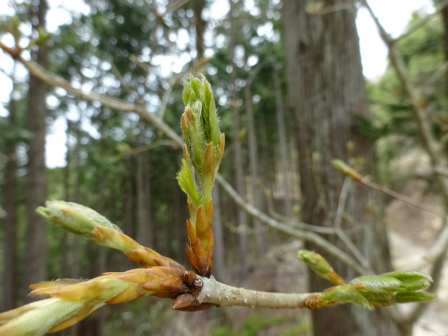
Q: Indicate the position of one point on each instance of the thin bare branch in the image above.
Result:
(403, 198)
(423, 21)
(345, 190)
(290, 230)
(152, 145)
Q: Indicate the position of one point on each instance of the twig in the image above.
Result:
(423, 21)
(345, 190)
(436, 75)
(403, 198)
(150, 146)
(286, 228)
(120, 78)
(223, 295)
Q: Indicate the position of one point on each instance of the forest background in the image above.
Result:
(125, 168)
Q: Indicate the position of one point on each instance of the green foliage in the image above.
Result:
(188, 185)
(382, 290)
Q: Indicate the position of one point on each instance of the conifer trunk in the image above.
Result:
(283, 144)
(238, 163)
(257, 190)
(326, 92)
(36, 242)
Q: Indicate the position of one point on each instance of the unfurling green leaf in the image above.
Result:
(378, 290)
(187, 183)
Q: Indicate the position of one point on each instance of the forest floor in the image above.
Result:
(411, 234)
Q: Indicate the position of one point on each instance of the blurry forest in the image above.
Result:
(291, 97)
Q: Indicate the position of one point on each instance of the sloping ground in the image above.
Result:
(411, 233)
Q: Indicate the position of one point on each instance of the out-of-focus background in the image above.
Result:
(54, 145)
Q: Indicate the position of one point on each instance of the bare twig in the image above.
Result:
(288, 229)
(150, 146)
(423, 21)
(345, 190)
(403, 198)
(223, 295)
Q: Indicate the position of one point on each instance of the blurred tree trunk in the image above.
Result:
(65, 267)
(238, 161)
(180, 220)
(445, 30)
(219, 256)
(10, 281)
(256, 191)
(145, 228)
(283, 144)
(36, 233)
(96, 255)
(326, 91)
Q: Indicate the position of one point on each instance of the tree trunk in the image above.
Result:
(283, 145)
(145, 229)
(445, 38)
(238, 163)
(10, 282)
(326, 91)
(219, 256)
(256, 188)
(36, 247)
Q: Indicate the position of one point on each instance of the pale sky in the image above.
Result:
(393, 14)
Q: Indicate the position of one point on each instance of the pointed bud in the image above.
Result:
(319, 265)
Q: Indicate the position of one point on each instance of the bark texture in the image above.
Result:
(145, 228)
(219, 259)
(326, 92)
(238, 161)
(36, 247)
(256, 189)
(283, 144)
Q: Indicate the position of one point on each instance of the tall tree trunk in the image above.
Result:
(219, 259)
(238, 162)
(129, 202)
(145, 228)
(283, 144)
(10, 288)
(326, 91)
(65, 267)
(36, 249)
(445, 38)
(256, 188)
